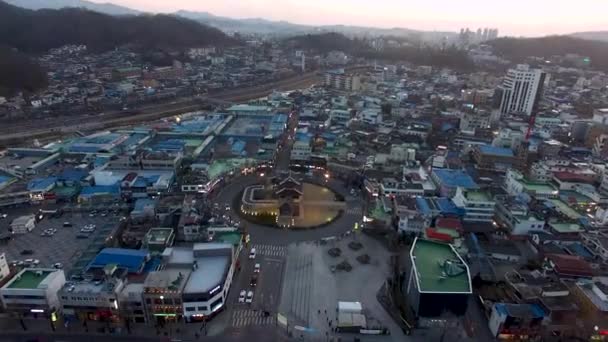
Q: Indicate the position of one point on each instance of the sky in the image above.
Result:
(511, 17)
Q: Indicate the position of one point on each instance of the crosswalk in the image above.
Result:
(243, 318)
(354, 211)
(270, 250)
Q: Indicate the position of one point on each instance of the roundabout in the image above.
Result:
(290, 203)
(261, 228)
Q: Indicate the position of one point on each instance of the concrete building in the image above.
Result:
(23, 224)
(478, 206)
(516, 217)
(33, 292)
(206, 291)
(515, 321)
(4, 269)
(337, 79)
(96, 299)
(439, 280)
(521, 90)
(131, 303)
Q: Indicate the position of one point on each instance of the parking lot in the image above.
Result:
(64, 246)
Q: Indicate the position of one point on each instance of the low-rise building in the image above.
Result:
(23, 224)
(516, 217)
(516, 321)
(478, 206)
(438, 281)
(33, 292)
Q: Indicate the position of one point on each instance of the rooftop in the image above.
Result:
(439, 269)
(28, 279)
(496, 151)
(455, 178)
(478, 196)
(562, 227)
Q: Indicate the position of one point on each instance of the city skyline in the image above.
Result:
(536, 18)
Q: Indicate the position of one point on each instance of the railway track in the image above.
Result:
(58, 127)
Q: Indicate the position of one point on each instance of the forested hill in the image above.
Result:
(41, 30)
(517, 49)
(18, 72)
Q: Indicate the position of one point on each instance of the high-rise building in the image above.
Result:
(522, 89)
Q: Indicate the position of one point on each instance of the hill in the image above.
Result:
(421, 55)
(517, 49)
(326, 42)
(38, 31)
(18, 72)
(601, 36)
(106, 8)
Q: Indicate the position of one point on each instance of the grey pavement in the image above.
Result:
(311, 291)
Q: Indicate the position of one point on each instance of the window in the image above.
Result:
(148, 301)
(190, 308)
(202, 308)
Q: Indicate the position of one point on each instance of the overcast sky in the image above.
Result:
(511, 17)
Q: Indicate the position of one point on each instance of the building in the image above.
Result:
(131, 260)
(448, 181)
(131, 303)
(157, 239)
(192, 284)
(515, 184)
(516, 321)
(478, 206)
(4, 269)
(337, 79)
(501, 159)
(206, 291)
(23, 224)
(516, 217)
(96, 298)
(522, 89)
(439, 280)
(33, 292)
(301, 148)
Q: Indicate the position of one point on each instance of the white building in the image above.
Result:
(371, 116)
(516, 217)
(478, 205)
(4, 270)
(301, 150)
(522, 88)
(33, 292)
(23, 224)
(341, 81)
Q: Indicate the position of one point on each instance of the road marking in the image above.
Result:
(273, 260)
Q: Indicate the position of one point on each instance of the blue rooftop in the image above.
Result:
(496, 151)
(4, 179)
(142, 203)
(455, 178)
(73, 175)
(100, 189)
(132, 259)
(39, 184)
(520, 310)
(238, 147)
(447, 207)
(423, 206)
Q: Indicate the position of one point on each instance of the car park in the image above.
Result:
(242, 296)
(249, 298)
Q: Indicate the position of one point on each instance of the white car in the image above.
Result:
(252, 254)
(256, 268)
(242, 296)
(249, 297)
(58, 266)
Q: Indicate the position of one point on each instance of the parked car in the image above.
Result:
(58, 265)
(27, 252)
